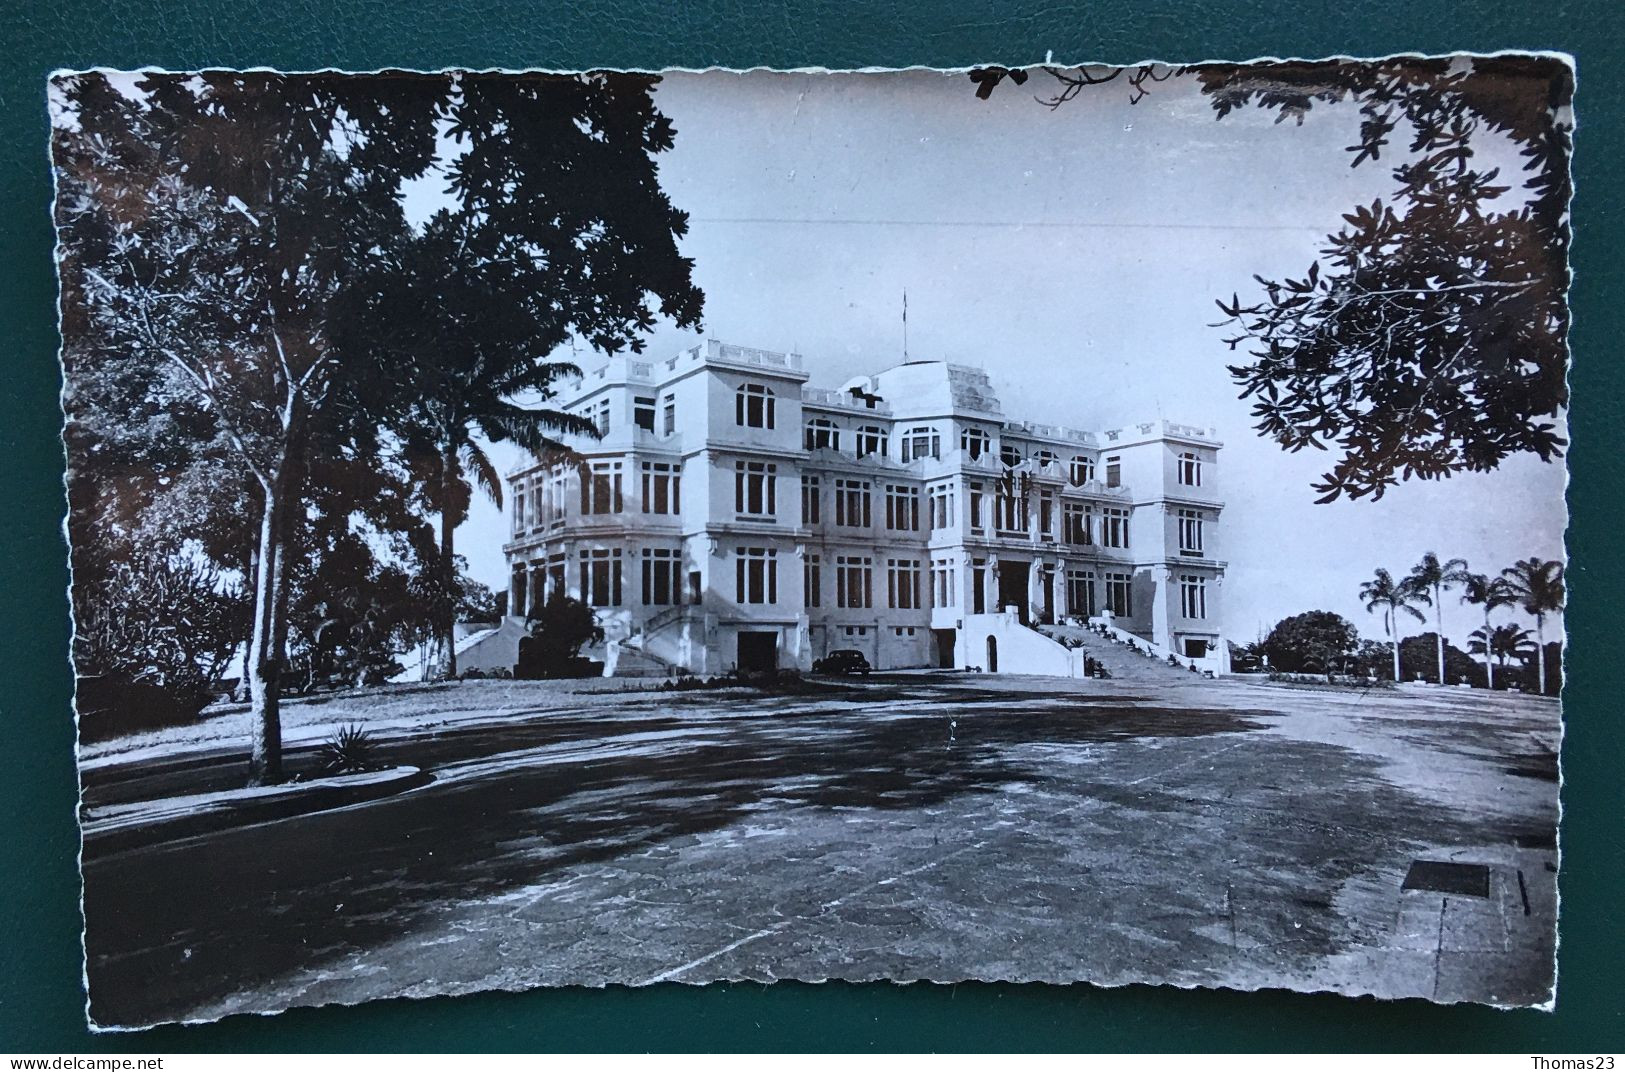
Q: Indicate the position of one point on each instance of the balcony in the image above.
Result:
(819, 396)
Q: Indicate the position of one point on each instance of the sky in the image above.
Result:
(1074, 253)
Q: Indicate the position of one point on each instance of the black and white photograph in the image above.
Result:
(1065, 524)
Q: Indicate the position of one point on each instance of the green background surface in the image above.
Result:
(41, 998)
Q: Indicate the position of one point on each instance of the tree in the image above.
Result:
(1502, 642)
(558, 630)
(1430, 336)
(1489, 593)
(1427, 581)
(467, 313)
(1459, 666)
(1538, 587)
(1316, 641)
(207, 223)
(1394, 598)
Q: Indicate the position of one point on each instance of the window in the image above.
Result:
(662, 577)
(557, 495)
(1080, 592)
(1046, 516)
(812, 581)
(662, 488)
(821, 433)
(976, 508)
(1076, 524)
(1114, 472)
(598, 414)
(1120, 594)
(852, 503)
(756, 575)
(975, 442)
(854, 587)
(753, 406)
(903, 630)
(919, 443)
(1082, 470)
(902, 508)
(1010, 508)
(943, 572)
(756, 489)
(1190, 533)
(855, 630)
(1193, 596)
(903, 583)
(942, 506)
(643, 412)
(1114, 526)
(601, 577)
(668, 415)
(1046, 458)
(811, 493)
(1190, 469)
(871, 440)
(1010, 455)
(601, 488)
(519, 519)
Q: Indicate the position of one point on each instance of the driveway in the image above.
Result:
(899, 827)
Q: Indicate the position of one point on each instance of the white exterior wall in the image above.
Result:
(708, 442)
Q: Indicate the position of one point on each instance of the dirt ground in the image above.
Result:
(941, 827)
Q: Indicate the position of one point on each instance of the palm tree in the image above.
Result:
(1392, 596)
(452, 462)
(1537, 585)
(1488, 593)
(1427, 581)
(1505, 641)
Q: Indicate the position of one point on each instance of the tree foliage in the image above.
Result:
(1429, 336)
(1317, 641)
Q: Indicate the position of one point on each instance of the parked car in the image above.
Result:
(845, 661)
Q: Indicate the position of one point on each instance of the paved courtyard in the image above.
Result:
(934, 826)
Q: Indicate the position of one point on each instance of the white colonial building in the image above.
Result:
(728, 515)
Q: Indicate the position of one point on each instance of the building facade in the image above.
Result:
(729, 515)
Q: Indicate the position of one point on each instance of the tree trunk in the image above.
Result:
(1438, 622)
(1540, 650)
(1489, 665)
(261, 664)
(448, 561)
(1393, 633)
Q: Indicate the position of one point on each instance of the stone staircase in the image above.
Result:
(634, 662)
(1120, 661)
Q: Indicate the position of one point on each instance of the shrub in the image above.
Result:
(152, 641)
(349, 751)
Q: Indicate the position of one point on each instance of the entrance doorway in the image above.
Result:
(992, 655)
(758, 652)
(1013, 587)
(944, 639)
(1195, 648)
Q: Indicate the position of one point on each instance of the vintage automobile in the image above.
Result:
(845, 661)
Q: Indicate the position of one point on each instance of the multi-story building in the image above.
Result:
(729, 515)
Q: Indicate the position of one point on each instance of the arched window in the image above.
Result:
(975, 442)
(1083, 470)
(1010, 455)
(822, 434)
(1046, 458)
(753, 406)
(920, 442)
(871, 440)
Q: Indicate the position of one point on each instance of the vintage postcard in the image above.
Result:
(1068, 524)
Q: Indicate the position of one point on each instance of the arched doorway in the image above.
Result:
(992, 655)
